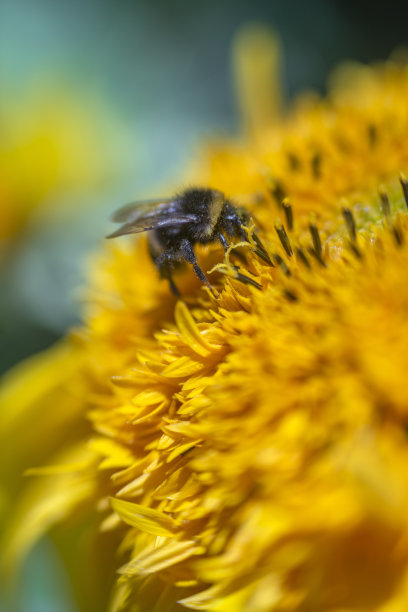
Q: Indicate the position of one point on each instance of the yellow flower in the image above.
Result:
(246, 453)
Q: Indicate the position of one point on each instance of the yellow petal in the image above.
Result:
(190, 332)
(144, 518)
(157, 559)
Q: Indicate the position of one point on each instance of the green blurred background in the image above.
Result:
(107, 101)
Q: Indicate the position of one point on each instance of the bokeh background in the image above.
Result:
(105, 101)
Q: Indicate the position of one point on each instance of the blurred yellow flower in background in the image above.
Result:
(54, 140)
(245, 453)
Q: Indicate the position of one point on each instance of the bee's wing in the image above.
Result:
(148, 215)
(134, 210)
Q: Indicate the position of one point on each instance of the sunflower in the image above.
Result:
(245, 452)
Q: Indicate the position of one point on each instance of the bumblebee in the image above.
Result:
(177, 224)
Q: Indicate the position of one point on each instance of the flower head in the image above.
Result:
(248, 451)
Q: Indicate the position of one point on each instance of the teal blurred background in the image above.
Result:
(107, 101)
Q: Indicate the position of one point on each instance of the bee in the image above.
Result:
(177, 224)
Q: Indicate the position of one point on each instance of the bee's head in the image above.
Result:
(243, 215)
(231, 220)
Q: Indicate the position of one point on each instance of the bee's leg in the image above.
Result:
(223, 241)
(172, 284)
(189, 256)
(225, 244)
(163, 264)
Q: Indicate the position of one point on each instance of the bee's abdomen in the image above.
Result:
(166, 239)
(155, 245)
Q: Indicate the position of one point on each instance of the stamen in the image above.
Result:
(316, 164)
(243, 278)
(397, 235)
(316, 250)
(372, 133)
(404, 184)
(263, 256)
(318, 257)
(350, 223)
(236, 253)
(276, 189)
(294, 161)
(261, 251)
(317, 244)
(287, 209)
(291, 296)
(351, 228)
(278, 259)
(386, 208)
(355, 250)
(283, 237)
(385, 203)
(302, 257)
(232, 271)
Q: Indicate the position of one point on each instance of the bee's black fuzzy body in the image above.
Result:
(196, 216)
